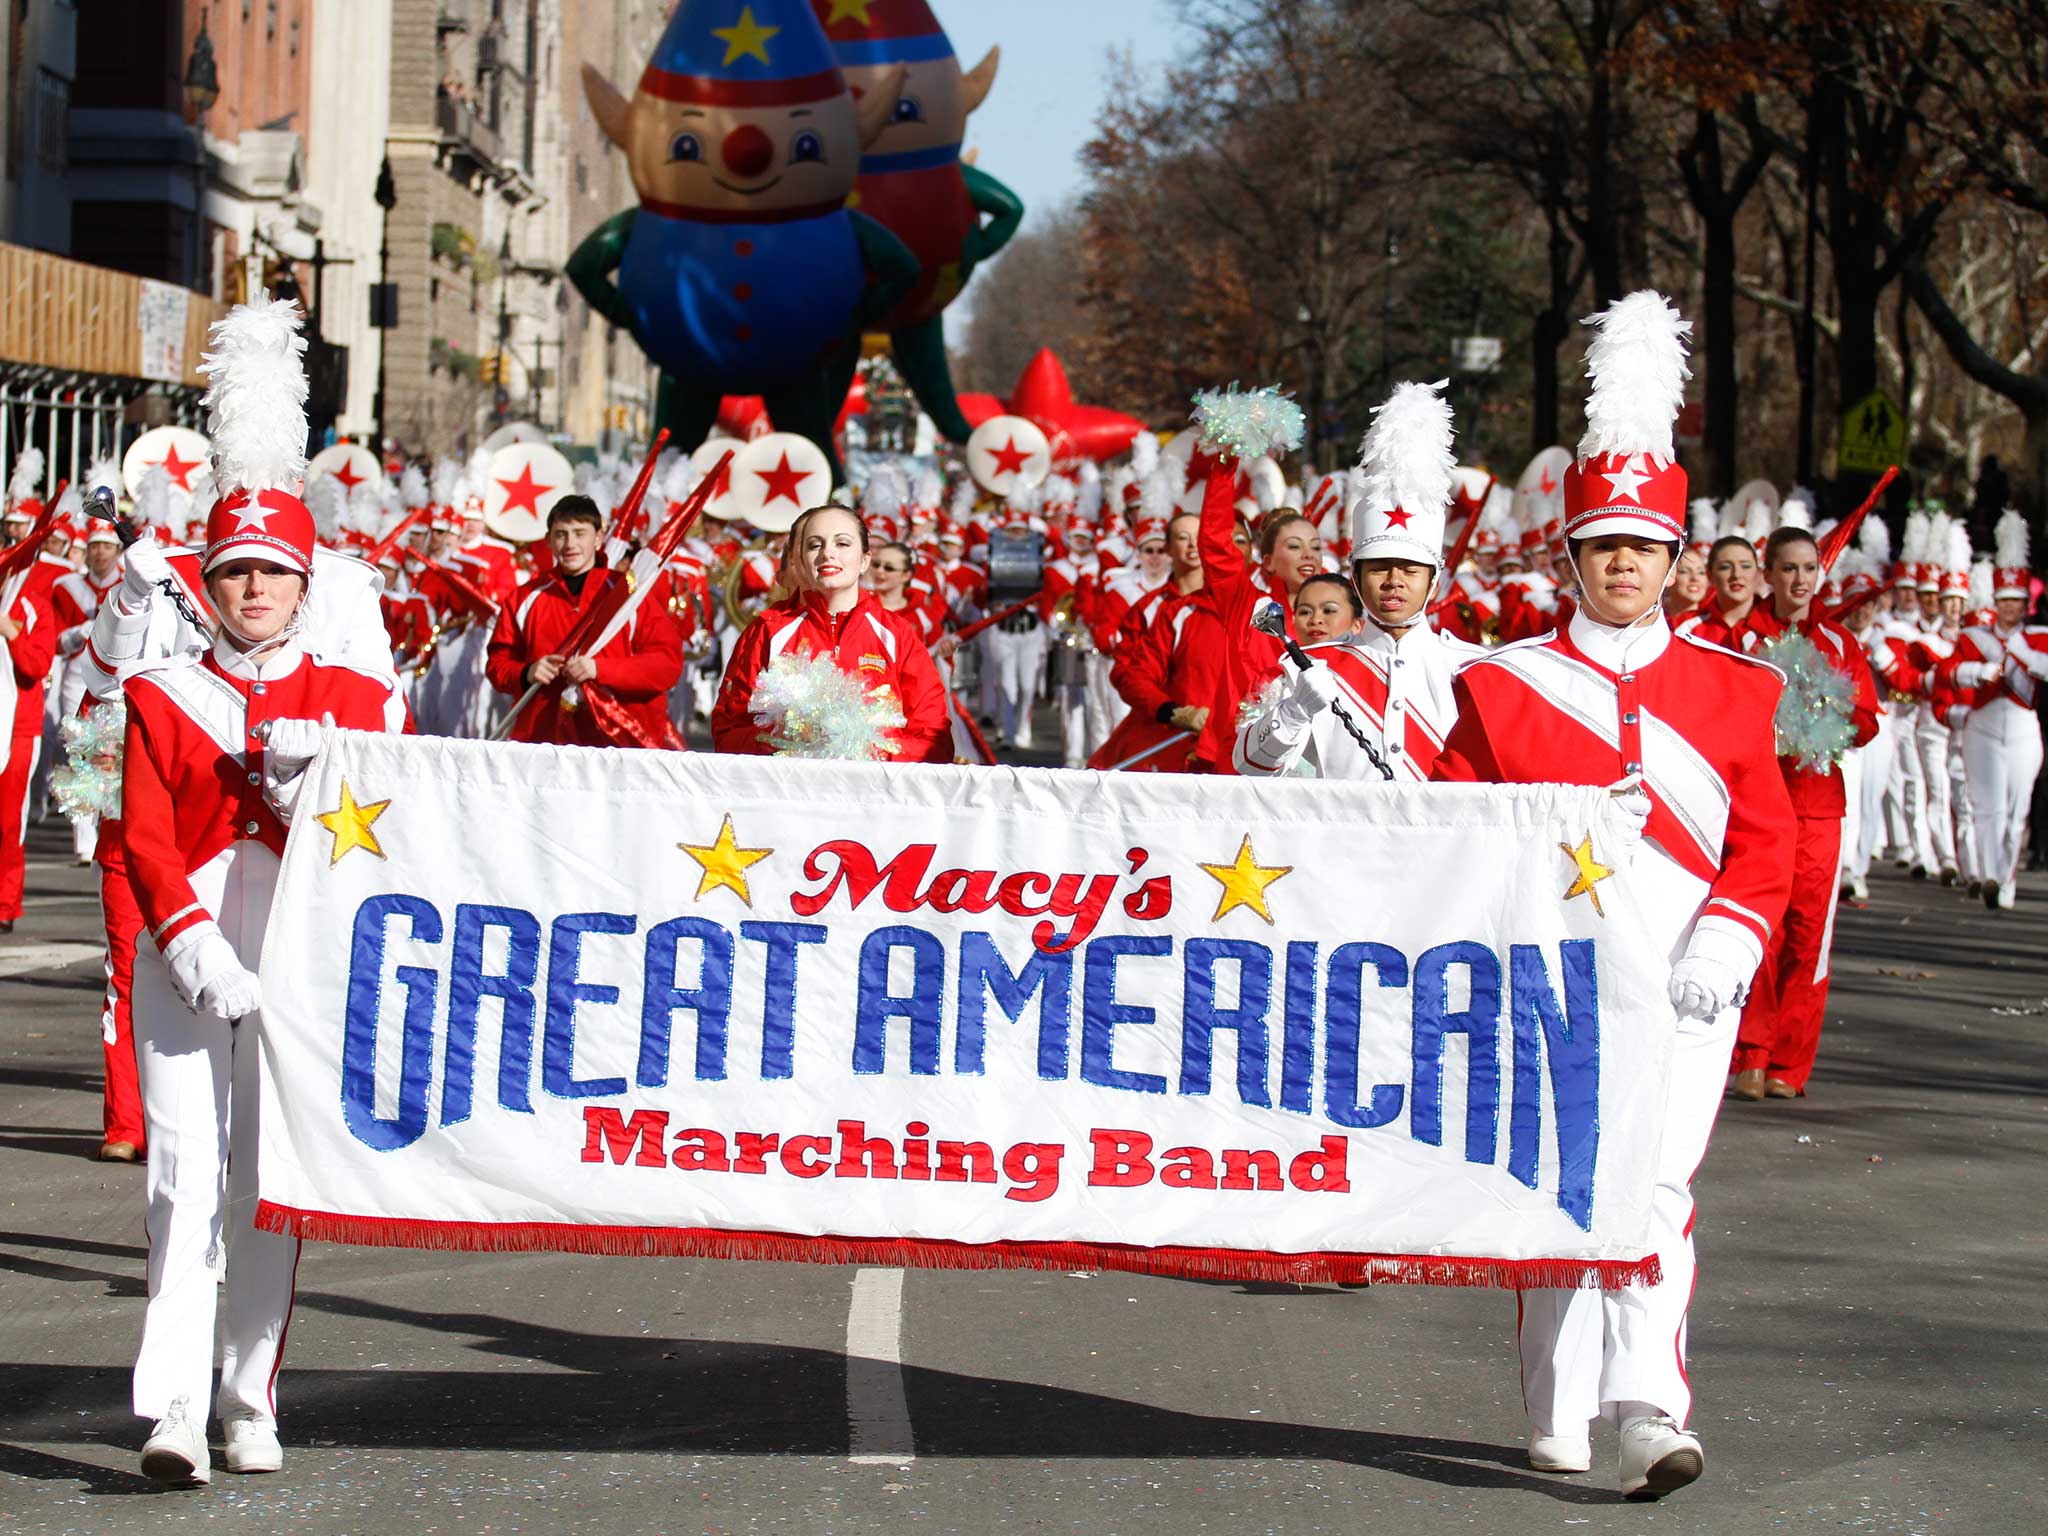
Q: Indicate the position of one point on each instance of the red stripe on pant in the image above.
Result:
(1781, 1024)
(123, 921)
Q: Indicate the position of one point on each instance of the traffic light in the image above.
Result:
(489, 366)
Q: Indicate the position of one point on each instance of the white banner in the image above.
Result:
(642, 1002)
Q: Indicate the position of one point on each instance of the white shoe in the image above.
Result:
(1561, 1453)
(1657, 1457)
(175, 1452)
(253, 1447)
(1859, 888)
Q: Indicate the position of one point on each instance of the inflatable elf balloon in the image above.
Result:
(913, 181)
(743, 272)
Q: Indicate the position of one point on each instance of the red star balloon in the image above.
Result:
(1045, 398)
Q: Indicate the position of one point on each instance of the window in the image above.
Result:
(48, 128)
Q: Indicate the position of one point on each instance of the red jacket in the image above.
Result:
(885, 649)
(31, 652)
(191, 776)
(635, 670)
(1542, 712)
(1235, 657)
(1822, 796)
(1156, 674)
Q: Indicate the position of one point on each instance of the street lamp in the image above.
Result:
(202, 77)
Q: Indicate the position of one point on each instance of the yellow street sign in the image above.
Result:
(1873, 436)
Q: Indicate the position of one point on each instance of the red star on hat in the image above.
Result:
(180, 470)
(1010, 459)
(783, 481)
(525, 491)
(1396, 518)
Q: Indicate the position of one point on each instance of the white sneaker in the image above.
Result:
(253, 1447)
(1859, 888)
(1561, 1453)
(175, 1452)
(1657, 1457)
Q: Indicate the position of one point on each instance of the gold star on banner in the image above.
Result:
(350, 823)
(854, 9)
(1244, 881)
(745, 38)
(1590, 872)
(725, 864)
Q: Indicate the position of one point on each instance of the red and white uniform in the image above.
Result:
(1894, 677)
(1155, 674)
(1782, 1021)
(1998, 674)
(1589, 706)
(883, 649)
(203, 836)
(1398, 692)
(74, 600)
(635, 670)
(25, 599)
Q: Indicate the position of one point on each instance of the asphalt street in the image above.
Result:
(1868, 1344)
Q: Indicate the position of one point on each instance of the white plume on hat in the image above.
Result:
(153, 498)
(964, 496)
(1874, 539)
(1144, 454)
(412, 487)
(683, 478)
(2010, 540)
(447, 481)
(256, 397)
(1913, 543)
(28, 476)
(1408, 464)
(886, 493)
(1958, 558)
(1157, 494)
(328, 502)
(1793, 514)
(1982, 581)
(105, 472)
(1706, 520)
(1637, 365)
(929, 489)
(1089, 503)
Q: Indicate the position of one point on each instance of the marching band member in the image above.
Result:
(2000, 669)
(75, 599)
(1733, 578)
(216, 745)
(889, 567)
(1393, 677)
(1712, 874)
(637, 667)
(830, 615)
(1781, 1024)
(1935, 633)
(1150, 671)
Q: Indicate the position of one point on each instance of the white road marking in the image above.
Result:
(44, 957)
(877, 1411)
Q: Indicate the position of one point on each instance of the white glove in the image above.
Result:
(71, 641)
(1970, 674)
(288, 747)
(1628, 813)
(1702, 988)
(233, 995)
(208, 974)
(1315, 690)
(1714, 974)
(144, 567)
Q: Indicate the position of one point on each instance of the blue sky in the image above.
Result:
(1054, 74)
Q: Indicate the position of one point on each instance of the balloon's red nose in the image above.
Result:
(747, 151)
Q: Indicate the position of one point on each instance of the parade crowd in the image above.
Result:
(1777, 701)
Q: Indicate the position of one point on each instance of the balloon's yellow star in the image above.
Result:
(725, 863)
(745, 38)
(1589, 872)
(855, 9)
(350, 822)
(1244, 881)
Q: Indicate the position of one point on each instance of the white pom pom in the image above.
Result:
(256, 397)
(2010, 540)
(28, 476)
(1406, 454)
(1637, 365)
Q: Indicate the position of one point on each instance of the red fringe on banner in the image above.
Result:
(924, 1253)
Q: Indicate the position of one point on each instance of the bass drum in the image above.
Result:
(1016, 565)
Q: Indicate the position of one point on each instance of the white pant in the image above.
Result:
(1018, 663)
(1902, 790)
(1959, 804)
(1934, 833)
(1875, 760)
(1587, 1352)
(2002, 745)
(199, 1078)
(1089, 708)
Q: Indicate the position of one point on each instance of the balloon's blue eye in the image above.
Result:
(908, 110)
(685, 146)
(806, 146)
